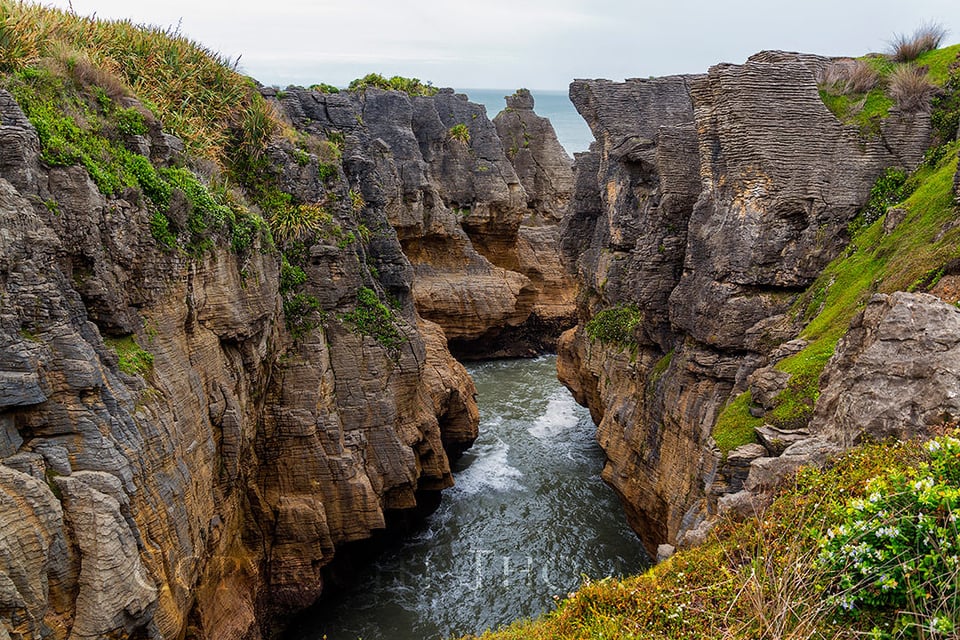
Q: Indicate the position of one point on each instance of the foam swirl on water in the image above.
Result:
(527, 518)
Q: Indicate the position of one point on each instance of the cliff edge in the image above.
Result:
(708, 230)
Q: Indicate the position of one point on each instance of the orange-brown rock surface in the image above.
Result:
(476, 213)
(206, 492)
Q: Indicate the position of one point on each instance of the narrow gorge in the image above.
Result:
(198, 409)
(233, 317)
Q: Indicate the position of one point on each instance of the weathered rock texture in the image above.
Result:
(876, 384)
(481, 238)
(208, 493)
(709, 202)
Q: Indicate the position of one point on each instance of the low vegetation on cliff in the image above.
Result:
(862, 91)
(93, 88)
(904, 239)
(867, 547)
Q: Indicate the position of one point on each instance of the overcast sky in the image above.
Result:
(539, 44)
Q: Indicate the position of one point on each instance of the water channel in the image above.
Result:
(528, 519)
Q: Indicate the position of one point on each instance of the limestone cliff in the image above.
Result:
(481, 238)
(183, 448)
(707, 206)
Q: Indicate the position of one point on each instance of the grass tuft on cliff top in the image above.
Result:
(867, 104)
(758, 578)
(195, 92)
(73, 75)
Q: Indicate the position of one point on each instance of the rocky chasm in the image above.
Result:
(202, 494)
(706, 209)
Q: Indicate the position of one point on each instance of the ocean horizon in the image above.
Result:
(572, 131)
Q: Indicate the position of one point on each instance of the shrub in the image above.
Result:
(889, 189)
(616, 326)
(323, 87)
(460, 133)
(291, 222)
(910, 88)
(373, 318)
(130, 122)
(357, 202)
(302, 314)
(899, 549)
(291, 275)
(410, 86)
(927, 37)
(132, 359)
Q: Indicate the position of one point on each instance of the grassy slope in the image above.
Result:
(867, 109)
(195, 92)
(873, 263)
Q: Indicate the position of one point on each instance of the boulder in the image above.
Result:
(895, 373)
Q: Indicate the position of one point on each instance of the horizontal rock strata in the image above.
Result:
(708, 202)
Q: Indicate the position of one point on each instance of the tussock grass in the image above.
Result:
(862, 91)
(195, 92)
(849, 76)
(927, 37)
(910, 88)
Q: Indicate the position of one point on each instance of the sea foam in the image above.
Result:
(491, 471)
(559, 417)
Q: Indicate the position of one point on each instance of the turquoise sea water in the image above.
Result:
(572, 131)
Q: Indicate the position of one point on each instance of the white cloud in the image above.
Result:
(510, 43)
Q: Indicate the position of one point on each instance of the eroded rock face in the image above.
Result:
(206, 493)
(708, 202)
(481, 238)
(875, 384)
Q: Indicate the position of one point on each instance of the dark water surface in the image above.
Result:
(528, 518)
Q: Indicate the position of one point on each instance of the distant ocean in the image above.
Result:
(572, 131)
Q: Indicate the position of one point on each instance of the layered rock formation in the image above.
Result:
(480, 237)
(203, 489)
(708, 203)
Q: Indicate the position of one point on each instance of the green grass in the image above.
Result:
(80, 124)
(661, 367)
(460, 133)
(938, 63)
(752, 579)
(302, 314)
(133, 359)
(615, 326)
(868, 110)
(736, 427)
(371, 317)
(864, 110)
